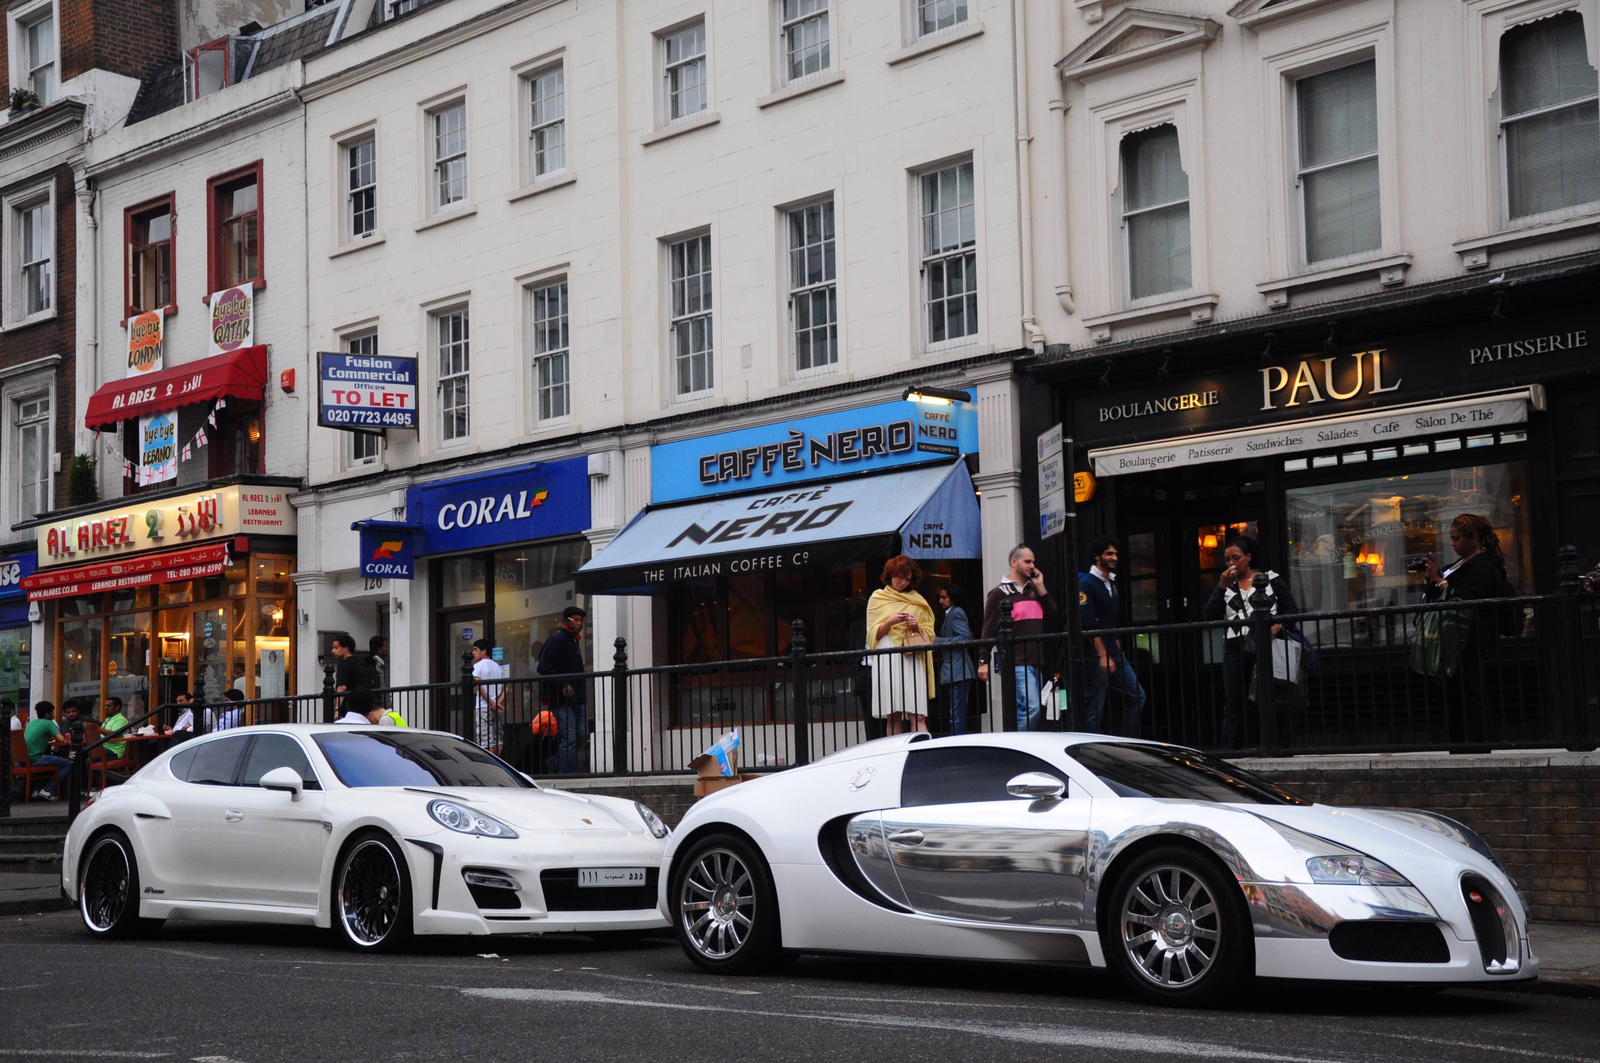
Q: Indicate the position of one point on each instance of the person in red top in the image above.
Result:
(1031, 605)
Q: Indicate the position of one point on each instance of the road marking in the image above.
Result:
(1506, 1049)
(1042, 1005)
(184, 953)
(1055, 1036)
(730, 990)
(216, 1059)
(82, 1053)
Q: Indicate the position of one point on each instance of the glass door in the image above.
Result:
(209, 665)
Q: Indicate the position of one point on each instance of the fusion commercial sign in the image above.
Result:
(366, 393)
(166, 522)
(870, 439)
(501, 507)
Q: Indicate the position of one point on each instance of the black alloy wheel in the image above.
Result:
(372, 894)
(725, 908)
(108, 888)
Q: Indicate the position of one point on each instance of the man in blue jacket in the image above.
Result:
(1106, 667)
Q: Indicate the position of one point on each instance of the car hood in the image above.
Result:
(1401, 838)
(541, 809)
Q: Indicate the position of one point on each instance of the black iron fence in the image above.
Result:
(1503, 673)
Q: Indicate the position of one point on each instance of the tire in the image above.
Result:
(108, 888)
(1176, 929)
(372, 894)
(724, 907)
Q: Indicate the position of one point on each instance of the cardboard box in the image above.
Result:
(711, 784)
(718, 766)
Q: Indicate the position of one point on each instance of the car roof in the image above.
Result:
(1036, 742)
(321, 728)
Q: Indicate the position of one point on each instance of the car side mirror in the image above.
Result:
(285, 779)
(1034, 785)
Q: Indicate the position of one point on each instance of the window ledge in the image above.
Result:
(543, 184)
(965, 344)
(447, 217)
(678, 128)
(170, 308)
(1475, 252)
(935, 41)
(36, 319)
(802, 87)
(1390, 270)
(255, 286)
(355, 245)
(1200, 309)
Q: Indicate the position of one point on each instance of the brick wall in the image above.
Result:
(55, 335)
(1542, 820)
(126, 37)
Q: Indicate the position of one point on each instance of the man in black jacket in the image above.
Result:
(563, 656)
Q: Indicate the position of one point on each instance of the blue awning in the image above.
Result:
(928, 512)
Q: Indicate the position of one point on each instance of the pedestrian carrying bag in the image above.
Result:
(1438, 639)
(1289, 679)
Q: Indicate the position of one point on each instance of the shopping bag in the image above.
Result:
(1438, 639)
(1289, 679)
(1288, 658)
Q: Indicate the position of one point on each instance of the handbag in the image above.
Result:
(1439, 638)
(916, 638)
(1289, 679)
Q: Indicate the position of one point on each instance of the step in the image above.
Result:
(30, 843)
(35, 863)
(19, 824)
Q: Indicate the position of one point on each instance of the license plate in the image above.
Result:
(611, 876)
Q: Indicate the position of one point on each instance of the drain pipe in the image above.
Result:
(1019, 44)
(1058, 166)
(89, 382)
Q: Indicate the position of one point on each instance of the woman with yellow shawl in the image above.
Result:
(897, 615)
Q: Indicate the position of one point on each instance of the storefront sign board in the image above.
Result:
(158, 448)
(147, 343)
(870, 439)
(138, 525)
(366, 393)
(500, 507)
(388, 549)
(233, 318)
(201, 562)
(1482, 413)
(13, 600)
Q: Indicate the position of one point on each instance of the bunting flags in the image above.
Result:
(132, 470)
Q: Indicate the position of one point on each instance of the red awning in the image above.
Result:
(142, 570)
(241, 373)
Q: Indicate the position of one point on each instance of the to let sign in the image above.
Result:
(367, 393)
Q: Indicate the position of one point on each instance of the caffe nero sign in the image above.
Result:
(1321, 384)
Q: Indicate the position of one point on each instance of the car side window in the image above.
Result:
(277, 751)
(210, 763)
(966, 773)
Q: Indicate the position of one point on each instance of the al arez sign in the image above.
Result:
(165, 523)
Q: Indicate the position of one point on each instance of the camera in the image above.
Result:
(1416, 562)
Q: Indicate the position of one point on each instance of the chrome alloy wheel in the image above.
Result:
(103, 885)
(718, 904)
(1171, 929)
(369, 893)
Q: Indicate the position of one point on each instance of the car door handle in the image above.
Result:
(232, 815)
(909, 836)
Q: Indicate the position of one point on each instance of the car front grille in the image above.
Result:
(563, 894)
(1487, 909)
(1389, 942)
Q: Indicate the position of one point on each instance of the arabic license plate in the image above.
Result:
(611, 876)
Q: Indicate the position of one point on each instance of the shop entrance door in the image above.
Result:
(457, 631)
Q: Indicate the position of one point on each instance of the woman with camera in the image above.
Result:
(1479, 572)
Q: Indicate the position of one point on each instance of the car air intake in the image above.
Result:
(491, 890)
(563, 894)
(1493, 925)
(1389, 942)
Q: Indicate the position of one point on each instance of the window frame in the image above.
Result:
(13, 208)
(19, 20)
(216, 187)
(1125, 246)
(348, 341)
(131, 217)
(530, 291)
(436, 315)
(17, 394)
(1502, 123)
(782, 52)
(431, 113)
(191, 67)
(367, 138)
(1300, 172)
(791, 290)
(674, 321)
(527, 82)
(665, 67)
(924, 258)
(913, 15)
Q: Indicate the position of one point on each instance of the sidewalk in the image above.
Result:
(1569, 953)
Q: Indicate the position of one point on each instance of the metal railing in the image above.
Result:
(1526, 674)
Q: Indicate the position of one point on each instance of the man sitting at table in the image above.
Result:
(184, 727)
(18, 714)
(41, 733)
(115, 722)
(230, 717)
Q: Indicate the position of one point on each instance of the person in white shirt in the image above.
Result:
(357, 708)
(230, 717)
(18, 715)
(490, 695)
(184, 726)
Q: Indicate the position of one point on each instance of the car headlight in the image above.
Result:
(464, 820)
(651, 820)
(1354, 870)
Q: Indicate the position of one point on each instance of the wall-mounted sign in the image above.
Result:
(1083, 485)
(501, 506)
(1052, 483)
(166, 522)
(233, 319)
(366, 393)
(13, 570)
(147, 343)
(158, 448)
(387, 549)
(869, 439)
(144, 570)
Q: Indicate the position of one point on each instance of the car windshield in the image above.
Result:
(413, 758)
(1180, 774)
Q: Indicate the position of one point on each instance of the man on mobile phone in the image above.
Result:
(1023, 586)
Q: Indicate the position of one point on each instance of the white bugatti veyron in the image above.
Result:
(379, 832)
(1182, 872)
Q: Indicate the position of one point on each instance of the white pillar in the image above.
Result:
(999, 482)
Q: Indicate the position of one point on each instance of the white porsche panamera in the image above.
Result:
(379, 832)
(1180, 871)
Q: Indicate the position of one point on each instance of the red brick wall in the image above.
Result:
(56, 335)
(126, 37)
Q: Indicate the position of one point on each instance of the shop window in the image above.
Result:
(148, 253)
(949, 259)
(532, 585)
(1549, 116)
(1155, 213)
(237, 235)
(1349, 542)
(80, 657)
(1338, 162)
(463, 580)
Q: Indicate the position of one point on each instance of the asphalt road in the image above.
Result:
(227, 994)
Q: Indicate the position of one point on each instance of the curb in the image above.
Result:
(1585, 987)
(36, 903)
